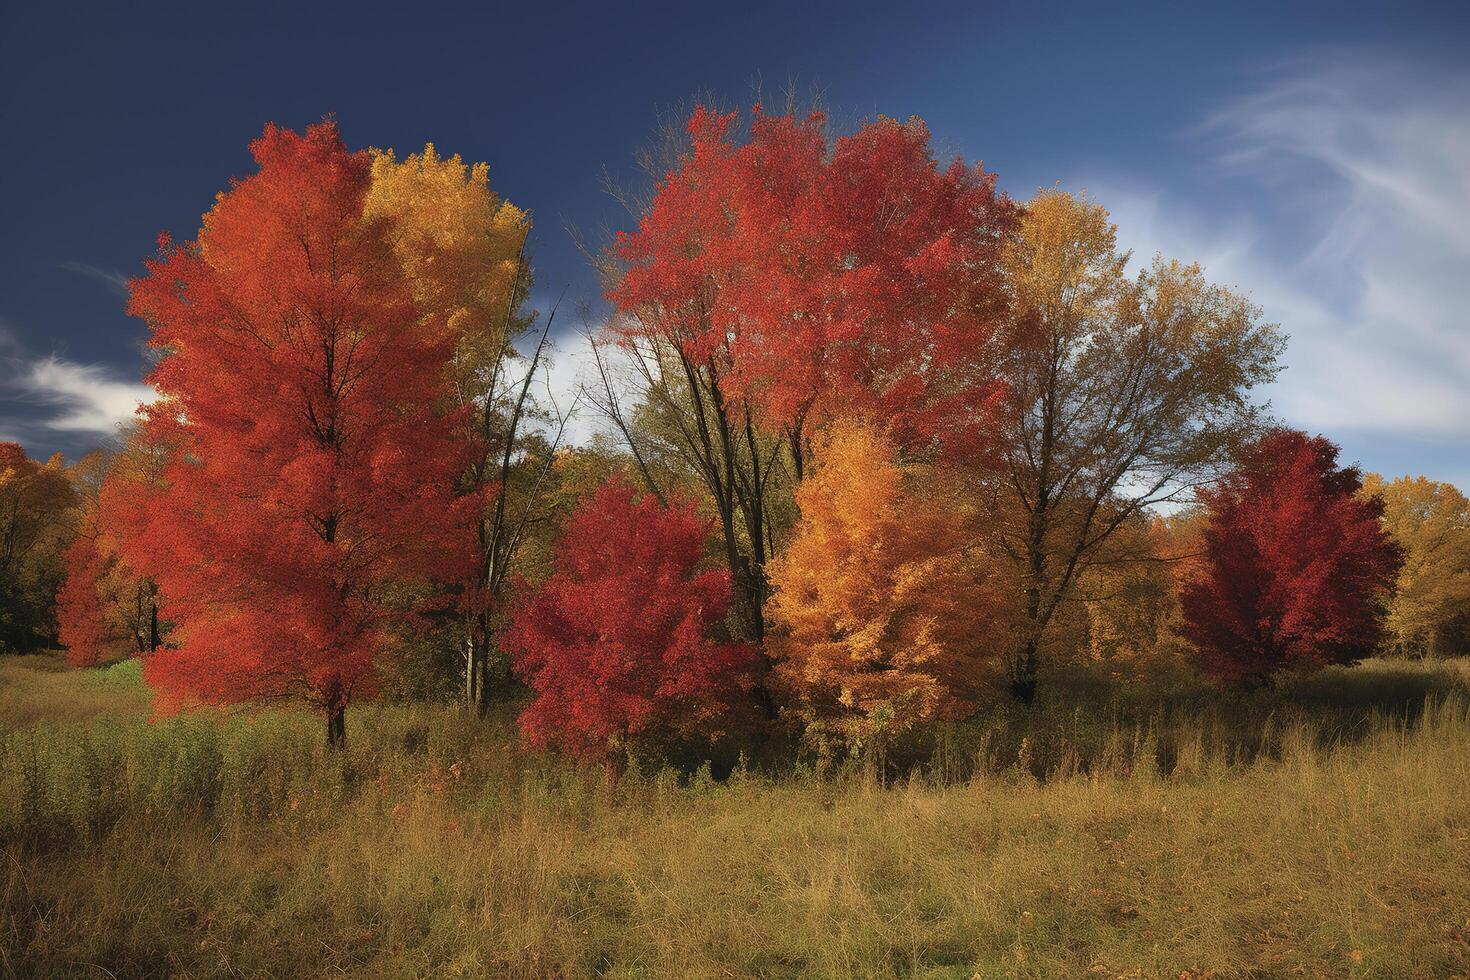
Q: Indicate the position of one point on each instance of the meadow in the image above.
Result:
(1317, 828)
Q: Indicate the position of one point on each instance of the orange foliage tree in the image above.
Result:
(312, 452)
(885, 614)
(104, 606)
(81, 625)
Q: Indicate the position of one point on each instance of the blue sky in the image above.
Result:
(1312, 155)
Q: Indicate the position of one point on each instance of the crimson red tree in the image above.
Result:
(310, 457)
(616, 643)
(1296, 564)
(807, 274)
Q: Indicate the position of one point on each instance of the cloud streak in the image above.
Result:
(1340, 201)
(114, 281)
(84, 398)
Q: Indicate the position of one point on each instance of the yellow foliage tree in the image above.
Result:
(461, 245)
(884, 616)
(1122, 392)
(1430, 609)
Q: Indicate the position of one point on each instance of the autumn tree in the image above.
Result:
(464, 251)
(882, 614)
(307, 418)
(779, 276)
(1121, 392)
(103, 605)
(1430, 522)
(37, 501)
(1296, 566)
(619, 643)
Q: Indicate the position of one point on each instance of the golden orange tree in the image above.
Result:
(885, 614)
(1429, 612)
(460, 245)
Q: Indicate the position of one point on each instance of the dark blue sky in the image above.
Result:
(123, 120)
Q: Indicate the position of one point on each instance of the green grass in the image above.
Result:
(1321, 830)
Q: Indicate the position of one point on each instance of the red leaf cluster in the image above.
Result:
(616, 643)
(817, 276)
(81, 625)
(1296, 564)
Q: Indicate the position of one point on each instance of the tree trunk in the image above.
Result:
(1023, 674)
(477, 670)
(482, 686)
(336, 724)
(153, 638)
(471, 670)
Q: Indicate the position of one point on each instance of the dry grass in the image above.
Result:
(1339, 845)
(37, 688)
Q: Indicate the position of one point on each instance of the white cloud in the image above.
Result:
(1348, 221)
(115, 281)
(570, 367)
(89, 399)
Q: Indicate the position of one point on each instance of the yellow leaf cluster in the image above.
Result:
(459, 243)
(1064, 265)
(1131, 596)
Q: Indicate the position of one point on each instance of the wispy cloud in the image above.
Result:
(115, 281)
(83, 397)
(1338, 197)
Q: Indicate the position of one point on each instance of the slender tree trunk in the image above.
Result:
(336, 724)
(477, 684)
(153, 638)
(482, 686)
(798, 452)
(471, 669)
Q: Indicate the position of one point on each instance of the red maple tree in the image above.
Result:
(1295, 564)
(819, 275)
(616, 643)
(310, 456)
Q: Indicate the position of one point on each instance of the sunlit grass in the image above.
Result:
(1324, 830)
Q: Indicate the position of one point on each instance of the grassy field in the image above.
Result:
(1321, 830)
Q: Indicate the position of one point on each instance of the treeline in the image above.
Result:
(880, 443)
